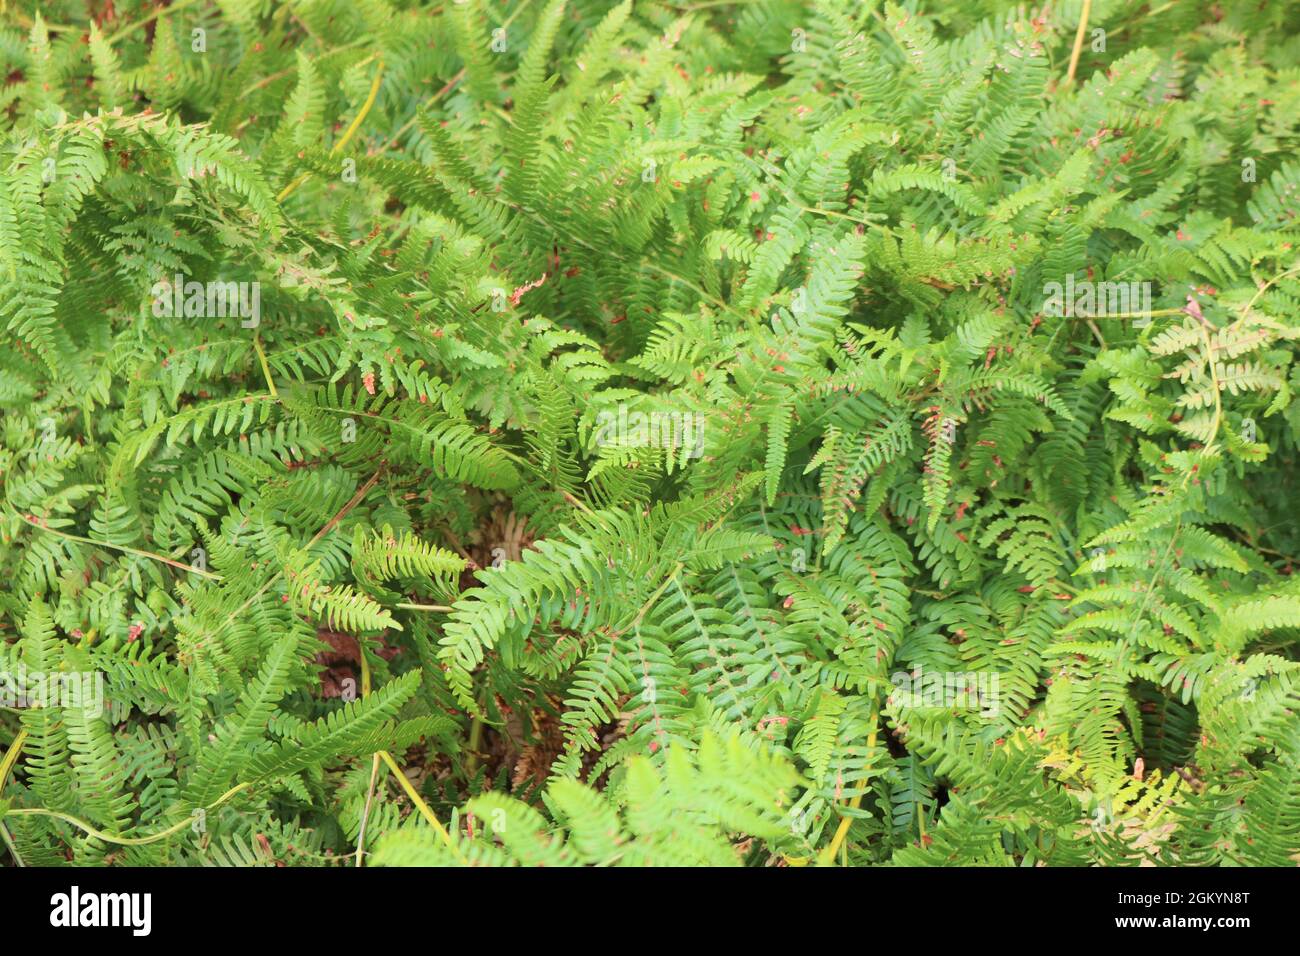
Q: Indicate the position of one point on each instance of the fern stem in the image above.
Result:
(1261, 290)
(91, 830)
(281, 74)
(157, 12)
(842, 830)
(1078, 41)
(384, 755)
(348, 133)
(1145, 16)
(365, 812)
(288, 190)
(1217, 387)
(420, 805)
(122, 547)
(9, 842)
(374, 761)
(577, 503)
(329, 526)
(11, 757)
(28, 22)
(447, 88)
(347, 508)
(475, 738)
(1133, 315)
(365, 108)
(266, 369)
(442, 608)
(645, 608)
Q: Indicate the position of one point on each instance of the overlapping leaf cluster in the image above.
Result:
(411, 516)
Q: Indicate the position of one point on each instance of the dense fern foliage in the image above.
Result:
(550, 432)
